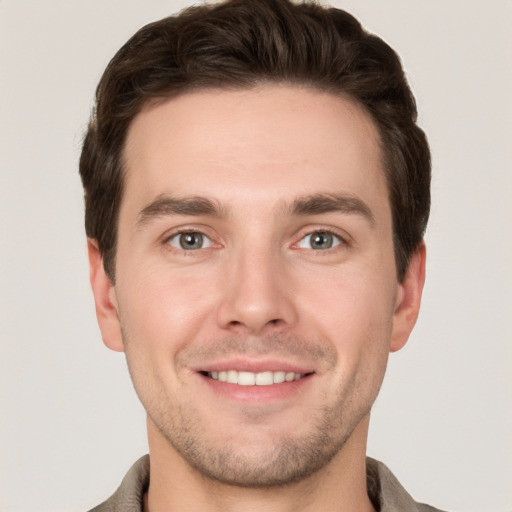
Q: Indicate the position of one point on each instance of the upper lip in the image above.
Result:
(254, 366)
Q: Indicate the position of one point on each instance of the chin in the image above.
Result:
(270, 459)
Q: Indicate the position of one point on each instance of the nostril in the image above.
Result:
(240, 326)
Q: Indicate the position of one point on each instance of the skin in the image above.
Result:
(259, 294)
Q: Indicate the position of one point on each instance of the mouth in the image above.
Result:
(244, 378)
(257, 383)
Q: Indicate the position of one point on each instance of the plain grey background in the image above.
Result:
(70, 423)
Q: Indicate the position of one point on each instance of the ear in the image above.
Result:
(407, 305)
(107, 311)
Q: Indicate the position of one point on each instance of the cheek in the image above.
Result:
(162, 310)
(353, 308)
(354, 313)
(159, 315)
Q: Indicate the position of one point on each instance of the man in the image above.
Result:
(256, 196)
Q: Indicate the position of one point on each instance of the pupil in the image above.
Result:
(322, 241)
(191, 241)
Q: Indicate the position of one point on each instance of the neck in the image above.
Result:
(340, 485)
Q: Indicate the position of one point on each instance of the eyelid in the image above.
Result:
(343, 237)
(336, 240)
(176, 236)
(180, 230)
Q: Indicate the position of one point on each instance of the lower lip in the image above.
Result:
(256, 393)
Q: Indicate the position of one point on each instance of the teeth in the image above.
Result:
(264, 378)
(255, 379)
(232, 377)
(289, 376)
(246, 379)
(280, 377)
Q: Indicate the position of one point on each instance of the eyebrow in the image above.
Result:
(307, 205)
(169, 205)
(327, 203)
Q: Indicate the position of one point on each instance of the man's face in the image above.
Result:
(256, 286)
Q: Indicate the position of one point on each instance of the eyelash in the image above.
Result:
(176, 234)
(338, 240)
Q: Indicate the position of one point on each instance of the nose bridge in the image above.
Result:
(255, 296)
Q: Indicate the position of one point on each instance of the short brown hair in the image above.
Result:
(240, 44)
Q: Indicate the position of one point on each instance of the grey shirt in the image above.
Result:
(384, 490)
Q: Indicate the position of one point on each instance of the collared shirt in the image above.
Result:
(384, 490)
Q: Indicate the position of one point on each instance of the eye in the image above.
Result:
(319, 241)
(190, 241)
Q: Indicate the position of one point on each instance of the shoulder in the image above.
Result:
(129, 495)
(386, 492)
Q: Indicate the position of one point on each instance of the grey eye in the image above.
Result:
(190, 241)
(320, 240)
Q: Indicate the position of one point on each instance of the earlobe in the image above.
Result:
(408, 299)
(105, 299)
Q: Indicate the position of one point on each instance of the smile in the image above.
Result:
(254, 379)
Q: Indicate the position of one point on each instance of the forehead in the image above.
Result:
(272, 141)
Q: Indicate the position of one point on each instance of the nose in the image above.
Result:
(257, 296)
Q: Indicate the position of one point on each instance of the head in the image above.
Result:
(242, 44)
(256, 195)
